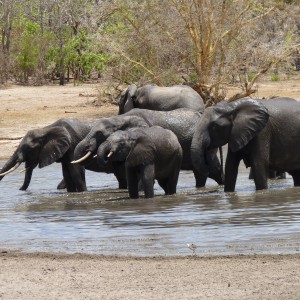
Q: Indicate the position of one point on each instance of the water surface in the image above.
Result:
(105, 221)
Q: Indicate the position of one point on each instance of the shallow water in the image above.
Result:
(105, 221)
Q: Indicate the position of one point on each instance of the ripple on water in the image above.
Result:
(105, 221)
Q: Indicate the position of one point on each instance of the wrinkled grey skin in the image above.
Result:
(264, 134)
(149, 154)
(101, 130)
(154, 97)
(183, 123)
(56, 143)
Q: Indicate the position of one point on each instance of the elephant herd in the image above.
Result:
(162, 130)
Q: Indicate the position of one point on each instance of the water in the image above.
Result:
(105, 221)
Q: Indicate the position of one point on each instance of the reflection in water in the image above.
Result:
(105, 221)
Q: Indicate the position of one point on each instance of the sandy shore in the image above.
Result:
(50, 276)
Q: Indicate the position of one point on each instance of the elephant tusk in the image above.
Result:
(11, 170)
(110, 154)
(95, 156)
(24, 170)
(82, 158)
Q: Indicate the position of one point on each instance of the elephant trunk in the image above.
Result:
(198, 154)
(104, 153)
(12, 164)
(215, 167)
(84, 150)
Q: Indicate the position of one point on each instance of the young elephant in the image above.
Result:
(56, 143)
(149, 153)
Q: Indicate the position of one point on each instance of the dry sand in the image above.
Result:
(53, 276)
(45, 276)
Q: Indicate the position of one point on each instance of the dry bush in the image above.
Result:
(209, 44)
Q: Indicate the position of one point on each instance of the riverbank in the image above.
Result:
(49, 276)
(78, 276)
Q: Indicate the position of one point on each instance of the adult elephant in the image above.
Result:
(180, 121)
(155, 97)
(149, 154)
(264, 134)
(56, 143)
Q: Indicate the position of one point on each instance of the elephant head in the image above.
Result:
(40, 147)
(128, 96)
(235, 123)
(131, 146)
(101, 131)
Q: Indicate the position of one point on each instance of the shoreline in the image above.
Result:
(78, 276)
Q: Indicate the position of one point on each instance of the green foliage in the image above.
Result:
(275, 77)
(82, 58)
(250, 75)
(28, 49)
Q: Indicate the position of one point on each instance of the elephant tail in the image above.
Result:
(222, 162)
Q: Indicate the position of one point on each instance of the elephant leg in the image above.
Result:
(27, 179)
(173, 178)
(251, 174)
(120, 173)
(260, 176)
(148, 177)
(62, 185)
(74, 177)
(296, 177)
(231, 171)
(163, 183)
(132, 182)
(200, 178)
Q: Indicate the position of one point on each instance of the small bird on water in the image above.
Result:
(192, 247)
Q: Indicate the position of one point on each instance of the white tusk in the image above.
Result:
(82, 158)
(11, 170)
(95, 156)
(24, 170)
(110, 154)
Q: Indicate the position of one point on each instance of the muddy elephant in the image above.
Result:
(264, 134)
(149, 154)
(56, 143)
(155, 97)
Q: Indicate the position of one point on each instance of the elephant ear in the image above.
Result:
(122, 101)
(249, 118)
(131, 97)
(142, 152)
(132, 89)
(57, 143)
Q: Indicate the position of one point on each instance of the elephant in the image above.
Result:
(56, 143)
(155, 97)
(264, 134)
(149, 153)
(102, 129)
